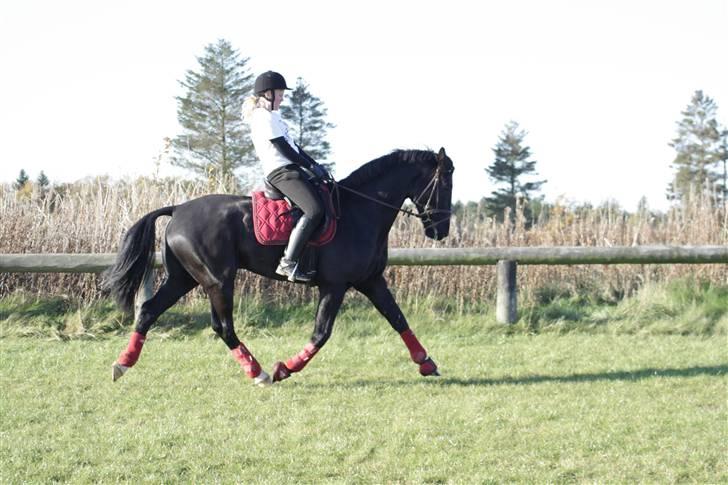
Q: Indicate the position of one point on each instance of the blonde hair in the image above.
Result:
(253, 102)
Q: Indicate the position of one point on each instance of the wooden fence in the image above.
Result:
(507, 260)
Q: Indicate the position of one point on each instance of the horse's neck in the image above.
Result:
(391, 189)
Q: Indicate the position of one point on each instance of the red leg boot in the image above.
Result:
(250, 365)
(128, 357)
(419, 354)
(294, 364)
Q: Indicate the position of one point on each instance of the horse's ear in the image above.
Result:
(441, 154)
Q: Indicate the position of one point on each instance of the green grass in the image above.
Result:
(577, 391)
(678, 308)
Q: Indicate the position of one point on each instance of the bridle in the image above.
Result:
(427, 211)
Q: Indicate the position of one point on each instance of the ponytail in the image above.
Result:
(253, 102)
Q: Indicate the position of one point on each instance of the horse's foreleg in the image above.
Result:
(378, 293)
(221, 300)
(330, 299)
(169, 292)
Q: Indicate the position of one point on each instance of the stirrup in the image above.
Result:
(289, 269)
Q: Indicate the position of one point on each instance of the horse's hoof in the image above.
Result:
(429, 368)
(280, 372)
(118, 370)
(263, 379)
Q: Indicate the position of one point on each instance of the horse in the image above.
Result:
(209, 238)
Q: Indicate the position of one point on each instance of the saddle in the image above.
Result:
(274, 217)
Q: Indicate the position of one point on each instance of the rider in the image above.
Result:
(282, 161)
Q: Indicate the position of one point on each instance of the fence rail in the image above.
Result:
(506, 258)
(95, 263)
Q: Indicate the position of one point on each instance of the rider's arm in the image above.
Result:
(299, 158)
(306, 155)
(287, 151)
(318, 169)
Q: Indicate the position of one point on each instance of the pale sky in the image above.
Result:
(87, 88)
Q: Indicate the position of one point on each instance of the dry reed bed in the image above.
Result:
(91, 216)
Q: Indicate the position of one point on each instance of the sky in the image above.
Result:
(88, 87)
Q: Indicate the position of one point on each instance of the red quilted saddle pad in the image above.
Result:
(273, 221)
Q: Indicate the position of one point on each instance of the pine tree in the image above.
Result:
(698, 149)
(306, 116)
(510, 165)
(722, 186)
(216, 141)
(43, 181)
(21, 181)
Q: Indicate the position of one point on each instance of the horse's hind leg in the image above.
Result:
(378, 293)
(177, 284)
(330, 298)
(221, 301)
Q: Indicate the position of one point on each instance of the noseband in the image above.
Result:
(427, 211)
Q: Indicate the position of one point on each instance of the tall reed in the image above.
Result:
(91, 216)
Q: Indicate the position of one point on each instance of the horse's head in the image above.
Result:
(432, 195)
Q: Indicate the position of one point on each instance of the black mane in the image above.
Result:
(384, 164)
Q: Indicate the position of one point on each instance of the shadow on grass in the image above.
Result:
(69, 318)
(636, 375)
(187, 321)
(36, 308)
(183, 321)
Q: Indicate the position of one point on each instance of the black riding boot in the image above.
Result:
(288, 266)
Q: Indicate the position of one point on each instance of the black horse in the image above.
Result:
(209, 238)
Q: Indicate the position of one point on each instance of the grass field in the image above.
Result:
(607, 402)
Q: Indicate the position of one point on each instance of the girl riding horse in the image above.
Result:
(282, 161)
(208, 239)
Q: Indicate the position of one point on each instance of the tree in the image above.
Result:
(698, 149)
(43, 181)
(216, 141)
(722, 186)
(306, 116)
(512, 162)
(21, 181)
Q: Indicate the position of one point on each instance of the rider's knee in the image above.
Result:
(315, 214)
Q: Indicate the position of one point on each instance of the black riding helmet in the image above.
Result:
(269, 80)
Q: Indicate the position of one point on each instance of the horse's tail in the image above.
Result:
(135, 257)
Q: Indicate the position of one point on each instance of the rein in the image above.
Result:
(378, 201)
(425, 215)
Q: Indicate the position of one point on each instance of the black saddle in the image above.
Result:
(323, 191)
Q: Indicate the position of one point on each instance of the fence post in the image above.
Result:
(145, 292)
(506, 297)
